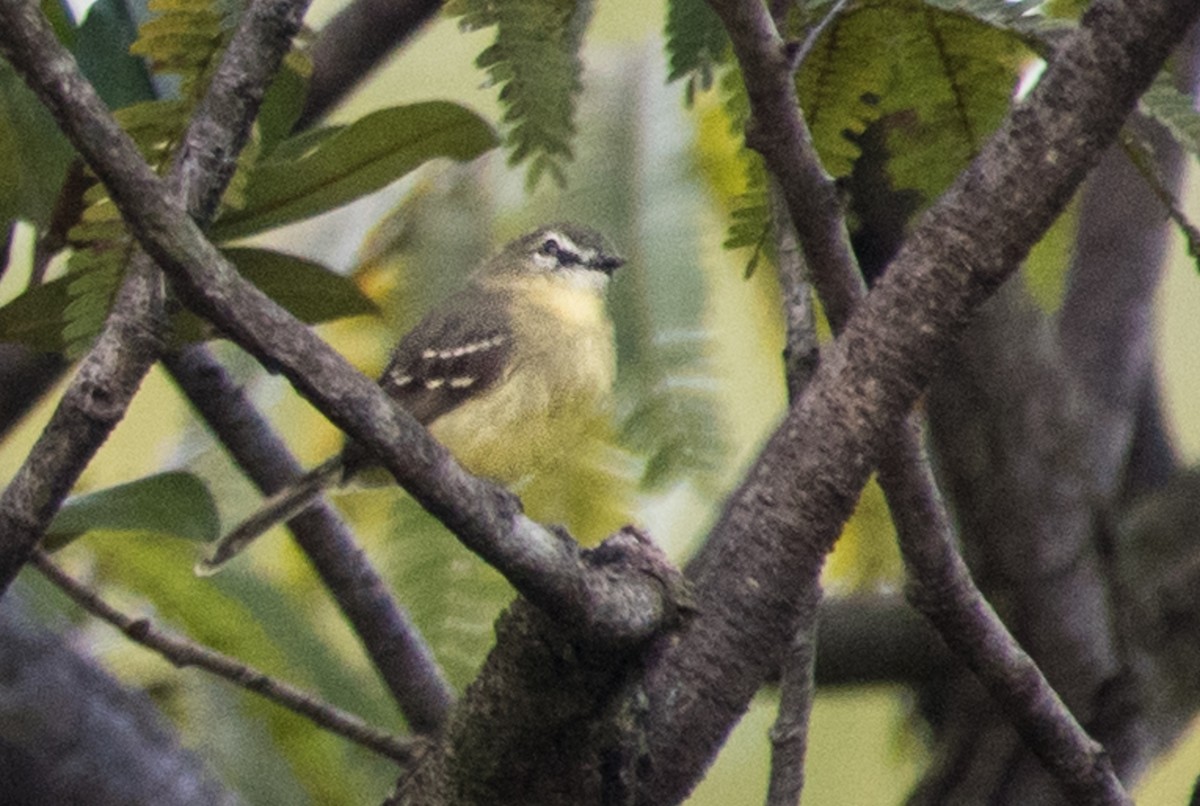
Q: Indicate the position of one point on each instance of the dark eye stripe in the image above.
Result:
(564, 256)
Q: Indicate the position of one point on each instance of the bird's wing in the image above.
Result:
(451, 356)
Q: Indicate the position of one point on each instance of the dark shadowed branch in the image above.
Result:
(353, 43)
(74, 735)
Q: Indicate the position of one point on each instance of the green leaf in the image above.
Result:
(535, 61)
(1175, 110)
(308, 290)
(951, 88)
(184, 38)
(33, 153)
(283, 102)
(361, 158)
(35, 317)
(47, 317)
(696, 43)
(173, 503)
(311, 292)
(60, 18)
(102, 49)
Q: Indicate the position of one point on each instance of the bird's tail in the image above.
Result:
(291, 500)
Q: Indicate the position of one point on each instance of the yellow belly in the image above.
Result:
(558, 385)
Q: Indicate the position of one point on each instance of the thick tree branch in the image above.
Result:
(548, 569)
(74, 735)
(939, 584)
(545, 721)
(399, 653)
(130, 342)
(965, 246)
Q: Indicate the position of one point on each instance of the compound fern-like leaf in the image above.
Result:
(535, 61)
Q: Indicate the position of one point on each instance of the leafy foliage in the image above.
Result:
(453, 596)
(674, 422)
(956, 82)
(33, 154)
(325, 170)
(280, 179)
(184, 39)
(173, 503)
(41, 317)
(750, 213)
(696, 44)
(943, 75)
(535, 61)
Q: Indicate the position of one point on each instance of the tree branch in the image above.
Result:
(353, 43)
(395, 646)
(74, 735)
(130, 342)
(777, 528)
(789, 734)
(939, 584)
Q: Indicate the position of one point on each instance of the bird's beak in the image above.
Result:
(609, 263)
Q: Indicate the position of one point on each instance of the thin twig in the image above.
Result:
(183, 652)
(814, 34)
(789, 734)
(395, 646)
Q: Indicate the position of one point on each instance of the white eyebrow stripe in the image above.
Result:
(565, 242)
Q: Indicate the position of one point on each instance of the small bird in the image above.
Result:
(507, 373)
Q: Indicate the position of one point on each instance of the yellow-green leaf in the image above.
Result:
(173, 503)
(361, 158)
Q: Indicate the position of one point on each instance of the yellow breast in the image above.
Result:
(559, 380)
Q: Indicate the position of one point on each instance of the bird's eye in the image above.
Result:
(564, 256)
